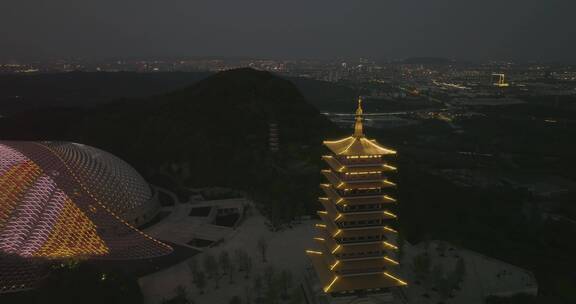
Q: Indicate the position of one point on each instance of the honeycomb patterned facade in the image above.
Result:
(64, 200)
(115, 182)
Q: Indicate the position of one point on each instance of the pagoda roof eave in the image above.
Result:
(356, 184)
(357, 146)
(339, 167)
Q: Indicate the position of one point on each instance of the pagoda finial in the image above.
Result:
(358, 128)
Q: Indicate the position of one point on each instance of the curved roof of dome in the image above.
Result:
(115, 182)
(59, 200)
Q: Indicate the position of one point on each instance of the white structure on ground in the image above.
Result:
(484, 276)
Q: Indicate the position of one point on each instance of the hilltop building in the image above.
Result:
(273, 141)
(356, 244)
(501, 81)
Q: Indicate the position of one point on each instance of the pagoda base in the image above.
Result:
(314, 292)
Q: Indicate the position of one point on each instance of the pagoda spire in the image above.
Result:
(358, 128)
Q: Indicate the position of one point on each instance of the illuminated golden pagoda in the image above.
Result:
(356, 243)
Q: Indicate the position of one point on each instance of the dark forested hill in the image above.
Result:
(79, 89)
(20, 93)
(214, 132)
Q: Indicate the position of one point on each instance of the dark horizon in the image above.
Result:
(490, 30)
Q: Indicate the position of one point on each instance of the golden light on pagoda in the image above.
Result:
(358, 236)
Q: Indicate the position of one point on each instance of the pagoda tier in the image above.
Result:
(369, 181)
(343, 199)
(379, 231)
(342, 219)
(341, 165)
(356, 241)
(356, 246)
(350, 250)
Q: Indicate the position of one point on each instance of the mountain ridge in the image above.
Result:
(212, 133)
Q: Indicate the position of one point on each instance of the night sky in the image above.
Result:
(386, 29)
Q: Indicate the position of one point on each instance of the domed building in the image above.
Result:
(63, 200)
(119, 186)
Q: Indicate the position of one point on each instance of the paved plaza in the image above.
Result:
(285, 251)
